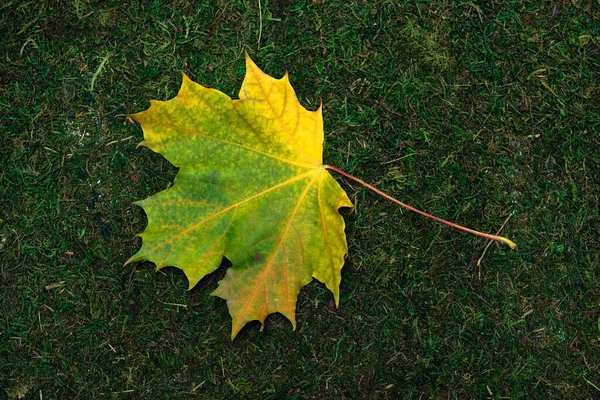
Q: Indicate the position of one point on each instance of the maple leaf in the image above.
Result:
(251, 187)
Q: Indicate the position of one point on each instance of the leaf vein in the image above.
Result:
(269, 263)
(224, 210)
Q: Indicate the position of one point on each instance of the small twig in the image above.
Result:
(398, 159)
(259, 22)
(54, 285)
(173, 304)
(487, 246)
(388, 108)
(117, 141)
(29, 40)
(553, 17)
(591, 384)
(480, 297)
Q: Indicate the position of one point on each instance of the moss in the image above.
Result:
(469, 111)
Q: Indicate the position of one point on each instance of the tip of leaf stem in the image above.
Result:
(509, 242)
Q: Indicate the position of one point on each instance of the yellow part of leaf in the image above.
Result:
(252, 188)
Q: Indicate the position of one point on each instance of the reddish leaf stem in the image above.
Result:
(462, 228)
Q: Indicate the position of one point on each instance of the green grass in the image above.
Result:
(472, 111)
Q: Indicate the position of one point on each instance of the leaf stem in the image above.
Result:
(504, 240)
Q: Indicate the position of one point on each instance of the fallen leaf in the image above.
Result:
(251, 187)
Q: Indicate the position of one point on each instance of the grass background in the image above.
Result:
(472, 111)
